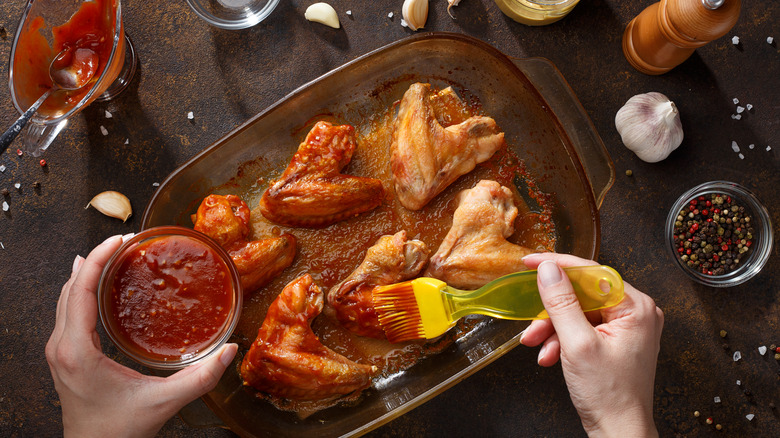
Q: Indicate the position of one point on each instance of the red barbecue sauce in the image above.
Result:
(91, 27)
(171, 297)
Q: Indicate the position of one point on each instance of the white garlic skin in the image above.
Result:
(649, 125)
(415, 13)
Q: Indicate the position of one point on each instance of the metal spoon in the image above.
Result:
(70, 70)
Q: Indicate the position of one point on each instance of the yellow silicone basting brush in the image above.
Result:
(425, 308)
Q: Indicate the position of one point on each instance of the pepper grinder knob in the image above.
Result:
(666, 33)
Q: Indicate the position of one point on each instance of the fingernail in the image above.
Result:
(228, 353)
(127, 237)
(118, 236)
(528, 256)
(522, 335)
(77, 263)
(541, 353)
(548, 273)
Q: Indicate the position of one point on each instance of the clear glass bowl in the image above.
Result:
(131, 349)
(233, 14)
(762, 233)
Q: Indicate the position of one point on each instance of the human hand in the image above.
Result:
(100, 397)
(608, 356)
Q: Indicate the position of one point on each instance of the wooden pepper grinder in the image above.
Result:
(666, 33)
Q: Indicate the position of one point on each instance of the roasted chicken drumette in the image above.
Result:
(427, 157)
(226, 220)
(475, 250)
(311, 192)
(287, 359)
(392, 259)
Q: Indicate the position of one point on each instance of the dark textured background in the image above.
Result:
(225, 77)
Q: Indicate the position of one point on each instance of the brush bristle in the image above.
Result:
(398, 312)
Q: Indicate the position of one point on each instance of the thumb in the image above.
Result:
(194, 381)
(561, 302)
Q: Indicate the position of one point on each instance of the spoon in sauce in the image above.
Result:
(70, 70)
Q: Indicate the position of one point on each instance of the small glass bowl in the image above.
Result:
(130, 348)
(233, 14)
(760, 249)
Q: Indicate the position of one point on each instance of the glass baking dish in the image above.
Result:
(544, 124)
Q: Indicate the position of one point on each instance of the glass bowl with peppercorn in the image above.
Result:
(719, 234)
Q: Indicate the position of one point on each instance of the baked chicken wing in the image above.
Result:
(392, 259)
(226, 220)
(311, 192)
(288, 361)
(475, 250)
(427, 157)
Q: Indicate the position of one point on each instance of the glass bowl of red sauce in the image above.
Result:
(719, 234)
(169, 297)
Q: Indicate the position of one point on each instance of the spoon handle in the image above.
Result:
(8, 136)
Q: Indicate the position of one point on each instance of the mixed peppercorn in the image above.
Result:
(713, 234)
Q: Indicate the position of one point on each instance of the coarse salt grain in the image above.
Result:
(750, 417)
(403, 23)
(734, 146)
(741, 157)
(739, 383)
(5, 206)
(3, 247)
(770, 40)
(733, 116)
(103, 130)
(738, 116)
(762, 350)
(156, 184)
(737, 354)
(740, 109)
(717, 399)
(751, 146)
(749, 106)
(349, 12)
(2, 168)
(108, 115)
(18, 186)
(390, 15)
(768, 148)
(735, 100)
(190, 115)
(735, 40)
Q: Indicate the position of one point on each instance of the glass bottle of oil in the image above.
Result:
(536, 12)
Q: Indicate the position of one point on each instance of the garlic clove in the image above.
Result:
(649, 125)
(323, 13)
(450, 5)
(415, 13)
(113, 204)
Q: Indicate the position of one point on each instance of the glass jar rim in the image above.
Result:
(763, 240)
(107, 277)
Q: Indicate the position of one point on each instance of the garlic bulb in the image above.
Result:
(450, 5)
(415, 13)
(112, 204)
(649, 125)
(323, 13)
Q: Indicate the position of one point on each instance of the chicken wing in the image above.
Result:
(392, 259)
(288, 361)
(311, 192)
(427, 157)
(226, 220)
(475, 250)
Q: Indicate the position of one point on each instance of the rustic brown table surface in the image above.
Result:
(225, 77)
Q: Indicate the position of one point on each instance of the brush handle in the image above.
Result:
(516, 296)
